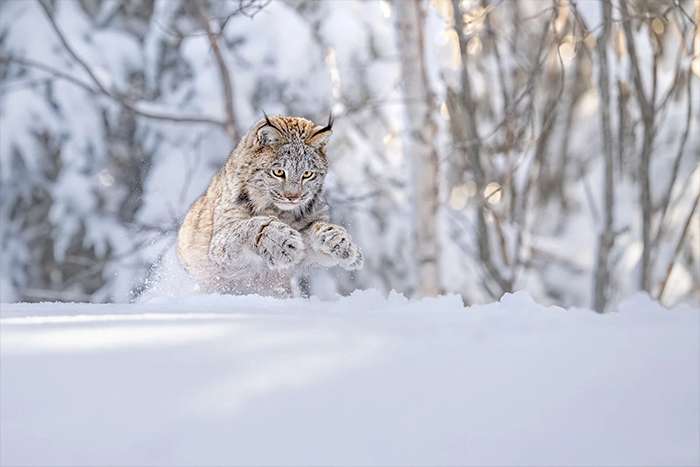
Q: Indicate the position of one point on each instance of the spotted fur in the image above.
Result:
(263, 216)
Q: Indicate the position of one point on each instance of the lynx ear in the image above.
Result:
(320, 137)
(269, 134)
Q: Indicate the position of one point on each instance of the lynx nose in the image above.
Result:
(292, 196)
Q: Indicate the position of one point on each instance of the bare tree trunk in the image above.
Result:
(605, 235)
(646, 107)
(472, 147)
(419, 141)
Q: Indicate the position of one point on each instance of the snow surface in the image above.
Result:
(365, 379)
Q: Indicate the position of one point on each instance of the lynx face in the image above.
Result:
(296, 176)
(290, 164)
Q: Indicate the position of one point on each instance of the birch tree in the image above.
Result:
(419, 141)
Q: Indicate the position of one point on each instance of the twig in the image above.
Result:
(666, 200)
(677, 250)
(646, 107)
(226, 82)
(474, 154)
(69, 49)
(101, 88)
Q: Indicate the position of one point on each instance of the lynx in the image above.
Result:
(263, 217)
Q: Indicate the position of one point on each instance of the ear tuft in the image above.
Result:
(320, 137)
(269, 134)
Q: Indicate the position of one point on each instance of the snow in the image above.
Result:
(367, 379)
(105, 180)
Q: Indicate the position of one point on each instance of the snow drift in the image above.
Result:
(363, 380)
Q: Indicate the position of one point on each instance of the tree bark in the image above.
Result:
(605, 235)
(473, 153)
(646, 107)
(420, 134)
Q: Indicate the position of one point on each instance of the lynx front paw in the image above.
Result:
(334, 241)
(279, 245)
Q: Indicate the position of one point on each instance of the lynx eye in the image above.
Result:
(279, 173)
(307, 175)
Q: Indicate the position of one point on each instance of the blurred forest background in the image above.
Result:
(480, 146)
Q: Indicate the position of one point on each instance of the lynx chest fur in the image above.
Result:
(263, 217)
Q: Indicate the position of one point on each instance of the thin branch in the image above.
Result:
(677, 250)
(61, 37)
(666, 200)
(101, 88)
(58, 74)
(226, 82)
(247, 8)
(170, 117)
(646, 107)
(474, 155)
(678, 4)
(54, 72)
